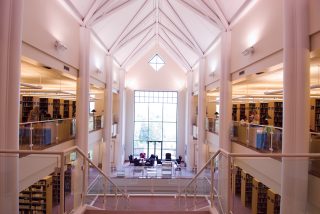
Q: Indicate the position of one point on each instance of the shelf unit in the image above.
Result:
(259, 197)
(56, 108)
(43, 104)
(242, 111)
(56, 184)
(246, 189)
(37, 198)
(237, 189)
(263, 113)
(73, 108)
(66, 109)
(273, 202)
(234, 112)
(27, 106)
(278, 109)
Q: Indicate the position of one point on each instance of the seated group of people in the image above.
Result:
(143, 161)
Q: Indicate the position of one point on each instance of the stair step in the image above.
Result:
(142, 212)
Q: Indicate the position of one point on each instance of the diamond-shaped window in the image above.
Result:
(156, 62)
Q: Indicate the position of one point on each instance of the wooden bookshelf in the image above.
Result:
(263, 113)
(56, 108)
(66, 109)
(259, 197)
(73, 108)
(237, 180)
(37, 198)
(278, 109)
(234, 112)
(242, 111)
(56, 184)
(273, 202)
(27, 106)
(246, 189)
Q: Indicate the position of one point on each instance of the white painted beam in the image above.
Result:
(115, 43)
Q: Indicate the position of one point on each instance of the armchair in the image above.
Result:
(168, 157)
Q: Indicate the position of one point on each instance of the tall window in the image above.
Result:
(155, 119)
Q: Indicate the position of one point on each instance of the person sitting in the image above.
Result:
(142, 155)
(178, 161)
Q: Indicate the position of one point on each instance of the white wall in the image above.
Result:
(141, 76)
(261, 28)
(97, 56)
(44, 22)
(213, 63)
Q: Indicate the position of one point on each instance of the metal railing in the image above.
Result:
(266, 138)
(80, 163)
(42, 134)
(218, 174)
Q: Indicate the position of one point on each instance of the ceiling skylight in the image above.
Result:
(156, 62)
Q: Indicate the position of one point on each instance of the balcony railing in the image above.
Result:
(229, 191)
(96, 122)
(43, 134)
(266, 139)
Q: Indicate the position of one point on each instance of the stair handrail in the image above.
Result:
(103, 174)
(61, 154)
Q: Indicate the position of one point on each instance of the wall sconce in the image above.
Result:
(59, 46)
(248, 51)
(99, 71)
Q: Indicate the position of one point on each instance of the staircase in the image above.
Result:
(143, 212)
(151, 205)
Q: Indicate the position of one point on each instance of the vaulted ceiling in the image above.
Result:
(186, 29)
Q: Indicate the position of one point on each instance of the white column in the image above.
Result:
(201, 114)
(106, 166)
(122, 111)
(82, 112)
(10, 54)
(188, 127)
(225, 117)
(225, 110)
(294, 182)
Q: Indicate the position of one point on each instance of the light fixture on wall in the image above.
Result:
(99, 71)
(248, 51)
(59, 46)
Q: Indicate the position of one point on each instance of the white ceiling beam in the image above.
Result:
(125, 29)
(100, 41)
(141, 43)
(207, 51)
(72, 10)
(94, 8)
(186, 28)
(177, 58)
(164, 28)
(212, 18)
(199, 52)
(124, 42)
(123, 3)
(216, 9)
(100, 11)
(176, 48)
(142, 22)
(241, 10)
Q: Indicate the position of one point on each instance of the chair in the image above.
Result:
(179, 160)
(131, 159)
(168, 157)
(158, 160)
